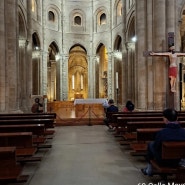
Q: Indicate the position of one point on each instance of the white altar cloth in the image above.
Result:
(90, 101)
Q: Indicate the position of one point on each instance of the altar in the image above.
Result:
(90, 108)
(78, 112)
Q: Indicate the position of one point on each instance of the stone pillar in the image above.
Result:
(2, 58)
(141, 73)
(124, 57)
(28, 62)
(11, 55)
(64, 77)
(174, 98)
(130, 46)
(149, 63)
(110, 77)
(44, 72)
(91, 75)
(160, 64)
(22, 76)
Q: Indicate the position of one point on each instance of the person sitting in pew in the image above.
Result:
(111, 108)
(172, 132)
(37, 107)
(129, 106)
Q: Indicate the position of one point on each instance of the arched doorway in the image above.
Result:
(36, 65)
(118, 68)
(77, 73)
(101, 72)
(52, 73)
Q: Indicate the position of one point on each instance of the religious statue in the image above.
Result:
(172, 54)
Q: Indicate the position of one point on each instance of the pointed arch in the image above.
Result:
(77, 72)
(53, 73)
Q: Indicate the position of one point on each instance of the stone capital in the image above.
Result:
(130, 45)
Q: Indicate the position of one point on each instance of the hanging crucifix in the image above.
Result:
(172, 55)
(172, 72)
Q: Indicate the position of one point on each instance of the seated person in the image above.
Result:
(105, 105)
(129, 107)
(37, 107)
(110, 108)
(172, 132)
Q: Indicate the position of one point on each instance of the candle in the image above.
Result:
(116, 80)
(73, 82)
(81, 82)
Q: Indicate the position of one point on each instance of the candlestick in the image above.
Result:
(116, 80)
(81, 77)
(73, 82)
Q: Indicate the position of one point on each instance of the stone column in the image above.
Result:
(11, 55)
(149, 63)
(91, 76)
(64, 77)
(170, 27)
(130, 46)
(44, 72)
(160, 64)
(28, 61)
(22, 76)
(2, 58)
(141, 73)
(110, 77)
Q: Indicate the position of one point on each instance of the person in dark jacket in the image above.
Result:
(172, 132)
(110, 108)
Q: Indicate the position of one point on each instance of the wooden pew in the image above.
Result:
(113, 116)
(171, 150)
(28, 115)
(123, 122)
(49, 123)
(144, 135)
(38, 132)
(23, 141)
(36, 129)
(10, 171)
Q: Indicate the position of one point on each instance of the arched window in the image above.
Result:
(119, 9)
(51, 16)
(77, 20)
(103, 19)
(33, 6)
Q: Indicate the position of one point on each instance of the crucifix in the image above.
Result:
(172, 72)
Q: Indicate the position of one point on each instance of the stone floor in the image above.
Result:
(86, 155)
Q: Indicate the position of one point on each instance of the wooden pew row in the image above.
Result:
(10, 171)
(28, 116)
(171, 150)
(134, 125)
(121, 123)
(49, 123)
(113, 116)
(132, 130)
(143, 136)
(47, 118)
(23, 141)
(38, 131)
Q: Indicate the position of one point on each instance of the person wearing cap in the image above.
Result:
(110, 108)
(172, 132)
(172, 73)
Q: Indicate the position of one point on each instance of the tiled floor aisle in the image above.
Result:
(86, 155)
